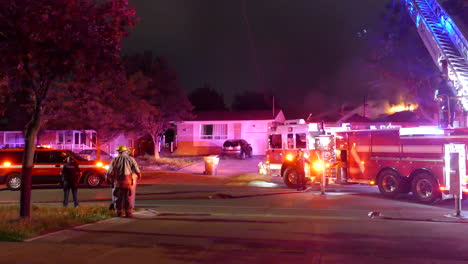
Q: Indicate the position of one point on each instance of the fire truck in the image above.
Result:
(402, 160)
(285, 140)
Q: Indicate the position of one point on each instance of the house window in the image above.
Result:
(61, 137)
(65, 137)
(77, 138)
(216, 131)
(14, 139)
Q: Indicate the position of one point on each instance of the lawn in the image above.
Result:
(168, 163)
(46, 219)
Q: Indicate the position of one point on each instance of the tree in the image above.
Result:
(206, 98)
(402, 66)
(43, 42)
(93, 105)
(158, 98)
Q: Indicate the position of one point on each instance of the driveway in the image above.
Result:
(228, 166)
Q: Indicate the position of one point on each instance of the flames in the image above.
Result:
(391, 109)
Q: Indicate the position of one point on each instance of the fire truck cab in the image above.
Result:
(285, 140)
(402, 160)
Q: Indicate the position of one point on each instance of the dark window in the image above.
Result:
(42, 157)
(275, 141)
(207, 132)
(11, 156)
(61, 137)
(72, 154)
(290, 141)
(58, 157)
(301, 141)
(83, 138)
(94, 139)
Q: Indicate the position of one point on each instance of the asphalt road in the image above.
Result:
(187, 217)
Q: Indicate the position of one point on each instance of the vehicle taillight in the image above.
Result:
(7, 164)
(99, 164)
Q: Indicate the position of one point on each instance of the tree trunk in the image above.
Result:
(28, 157)
(156, 146)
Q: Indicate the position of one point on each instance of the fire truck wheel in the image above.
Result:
(13, 181)
(390, 183)
(425, 188)
(93, 180)
(290, 177)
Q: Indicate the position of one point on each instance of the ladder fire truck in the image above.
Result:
(402, 160)
(418, 159)
(399, 160)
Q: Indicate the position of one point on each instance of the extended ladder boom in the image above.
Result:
(444, 41)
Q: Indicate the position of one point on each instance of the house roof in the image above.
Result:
(236, 115)
(404, 116)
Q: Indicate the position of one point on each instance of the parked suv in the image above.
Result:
(46, 167)
(236, 147)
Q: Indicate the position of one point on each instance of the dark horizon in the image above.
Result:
(302, 50)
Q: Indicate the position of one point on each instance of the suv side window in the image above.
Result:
(58, 157)
(42, 157)
(11, 156)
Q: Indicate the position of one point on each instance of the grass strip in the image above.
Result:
(46, 219)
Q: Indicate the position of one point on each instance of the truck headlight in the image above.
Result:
(289, 157)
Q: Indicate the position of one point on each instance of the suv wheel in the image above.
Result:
(13, 181)
(93, 180)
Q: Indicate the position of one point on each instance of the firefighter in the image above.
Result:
(444, 95)
(299, 165)
(120, 174)
(70, 180)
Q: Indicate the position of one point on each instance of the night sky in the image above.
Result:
(305, 49)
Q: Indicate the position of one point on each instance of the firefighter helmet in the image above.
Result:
(121, 148)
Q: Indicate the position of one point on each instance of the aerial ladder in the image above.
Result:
(446, 44)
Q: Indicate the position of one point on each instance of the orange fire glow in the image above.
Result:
(401, 107)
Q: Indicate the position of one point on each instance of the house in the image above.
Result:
(208, 131)
(74, 140)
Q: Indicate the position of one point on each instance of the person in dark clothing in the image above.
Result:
(445, 96)
(70, 179)
(299, 165)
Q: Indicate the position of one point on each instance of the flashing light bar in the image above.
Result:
(423, 130)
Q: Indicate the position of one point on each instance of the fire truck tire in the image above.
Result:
(425, 188)
(390, 183)
(290, 177)
(93, 180)
(13, 181)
